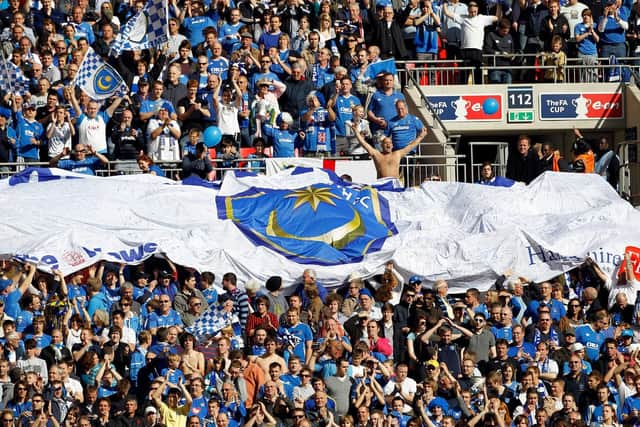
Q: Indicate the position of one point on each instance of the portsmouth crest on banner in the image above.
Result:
(318, 224)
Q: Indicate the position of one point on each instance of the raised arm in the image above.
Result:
(368, 147)
(406, 150)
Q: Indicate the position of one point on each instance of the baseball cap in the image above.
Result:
(576, 347)
(433, 363)
(150, 410)
(366, 292)
(29, 106)
(246, 34)
(5, 283)
(415, 279)
(627, 333)
(570, 331)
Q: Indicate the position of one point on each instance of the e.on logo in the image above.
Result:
(603, 105)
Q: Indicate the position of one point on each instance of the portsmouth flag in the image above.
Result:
(148, 28)
(99, 79)
(386, 66)
(213, 321)
(319, 223)
(12, 77)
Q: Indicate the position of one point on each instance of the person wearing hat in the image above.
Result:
(265, 106)
(285, 140)
(367, 304)
(277, 302)
(30, 132)
(172, 414)
(245, 49)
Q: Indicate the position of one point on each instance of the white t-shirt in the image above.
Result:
(228, 119)
(408, 386)
(630, 289)
(165, 147)
(473, 29)
(93, 131)
(61, 138)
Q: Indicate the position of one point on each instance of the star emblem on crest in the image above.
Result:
(313, 196)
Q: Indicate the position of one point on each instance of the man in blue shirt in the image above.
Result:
(404, 127)
(165, 316)
(270, 39)
(196, 22)
(592, 335)
(80, 162)
(30, 133)
(382, 106)
(340, 108)
(303, 337)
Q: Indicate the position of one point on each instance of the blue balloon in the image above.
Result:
(490, 106)
(212, 136)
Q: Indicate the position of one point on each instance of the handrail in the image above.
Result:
(425, 100)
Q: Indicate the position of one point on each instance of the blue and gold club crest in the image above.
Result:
(317, 224)
(106, 80)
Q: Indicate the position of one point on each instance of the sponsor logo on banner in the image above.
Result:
(634, 256)
(74, 258)
(581, 106)
(468, 107)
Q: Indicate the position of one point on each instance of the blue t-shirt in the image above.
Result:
(591, 339)
(343, 112)
(219, 66)
(26, 131)
(284, 141)
(403, 130)
(384, 106)
(303, 332)
(157, 320)
(631, 403)
(86, 166)
(193, 27)
(269, 40)
(228, 35)
(149, 105)
(588, 45)
(613, 33)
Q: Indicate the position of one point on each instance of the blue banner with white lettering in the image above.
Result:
(322, 224)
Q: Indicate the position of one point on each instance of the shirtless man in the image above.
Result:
(387, 161)
(270, 356)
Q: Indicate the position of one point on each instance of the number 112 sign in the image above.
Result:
(520, 97)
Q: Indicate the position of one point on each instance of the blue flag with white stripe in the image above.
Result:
(98, 79)
(12, 77)
(148, 28)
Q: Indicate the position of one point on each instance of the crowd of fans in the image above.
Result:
(278, 79)
(116, 345)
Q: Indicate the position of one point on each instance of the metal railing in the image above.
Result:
(451, 168)
(411, 81)
(523, 70)
(499, 162)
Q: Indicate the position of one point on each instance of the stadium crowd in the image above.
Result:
(163, 345)
(277, 79)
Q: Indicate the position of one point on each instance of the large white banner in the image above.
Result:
(465, 233)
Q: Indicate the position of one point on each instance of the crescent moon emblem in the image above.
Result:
(104, 83)
(339, 237)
